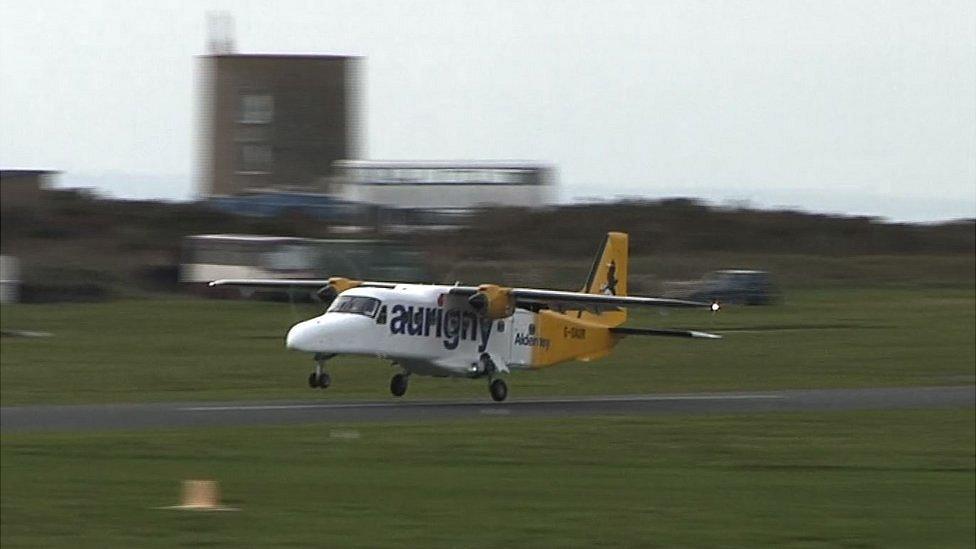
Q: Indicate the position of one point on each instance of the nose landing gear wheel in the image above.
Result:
(398, 385)
(498, 390)
(320, 379)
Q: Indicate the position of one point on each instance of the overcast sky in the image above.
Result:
(855, 107)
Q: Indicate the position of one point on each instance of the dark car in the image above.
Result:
(735, 286)
(727, 286)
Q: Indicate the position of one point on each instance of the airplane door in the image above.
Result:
(500, 344)
(522, 325)
(381, 331)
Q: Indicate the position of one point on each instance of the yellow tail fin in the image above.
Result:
(609, 276)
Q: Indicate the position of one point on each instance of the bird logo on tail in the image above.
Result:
(610, 288)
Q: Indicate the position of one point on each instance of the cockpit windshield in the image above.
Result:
(356, 305)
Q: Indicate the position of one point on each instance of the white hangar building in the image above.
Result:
(442, 185)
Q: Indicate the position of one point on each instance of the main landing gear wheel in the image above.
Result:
(319, 380)
(498, 390)
(398, 384)
(324, 380)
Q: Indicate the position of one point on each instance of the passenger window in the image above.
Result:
(501, 326)
(381, 318)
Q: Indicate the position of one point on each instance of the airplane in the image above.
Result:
(477, 332)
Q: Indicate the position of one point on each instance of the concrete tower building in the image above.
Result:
(275, 121)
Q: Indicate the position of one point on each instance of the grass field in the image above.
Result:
(193, 349)
(858, 479)
(868, 479)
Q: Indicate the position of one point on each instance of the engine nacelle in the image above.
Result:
(336, 286)
(493, 301)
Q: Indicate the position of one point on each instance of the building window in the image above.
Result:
(256, 108)
(255, 157)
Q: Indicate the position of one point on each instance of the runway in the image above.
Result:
(19, 419)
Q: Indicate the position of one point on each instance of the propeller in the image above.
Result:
(326, 294)
(479, 302)
(291, 305)
(317, 299)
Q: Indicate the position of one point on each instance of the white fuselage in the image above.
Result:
(420, 327)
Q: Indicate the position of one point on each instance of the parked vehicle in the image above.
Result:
(748, 287)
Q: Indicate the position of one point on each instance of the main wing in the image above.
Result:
(310, 283)
(532, 298)
(322, 289)
(573, 301)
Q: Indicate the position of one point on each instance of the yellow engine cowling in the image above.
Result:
(341, 284)
(493, 301)
(336, 286)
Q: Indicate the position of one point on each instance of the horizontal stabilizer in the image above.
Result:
(667, 333)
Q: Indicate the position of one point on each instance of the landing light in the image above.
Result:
(715, 306)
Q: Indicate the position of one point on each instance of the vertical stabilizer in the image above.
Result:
(608, 276)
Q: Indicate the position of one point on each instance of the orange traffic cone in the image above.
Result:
(200, 495)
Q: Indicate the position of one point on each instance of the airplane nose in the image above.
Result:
(300, 337)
